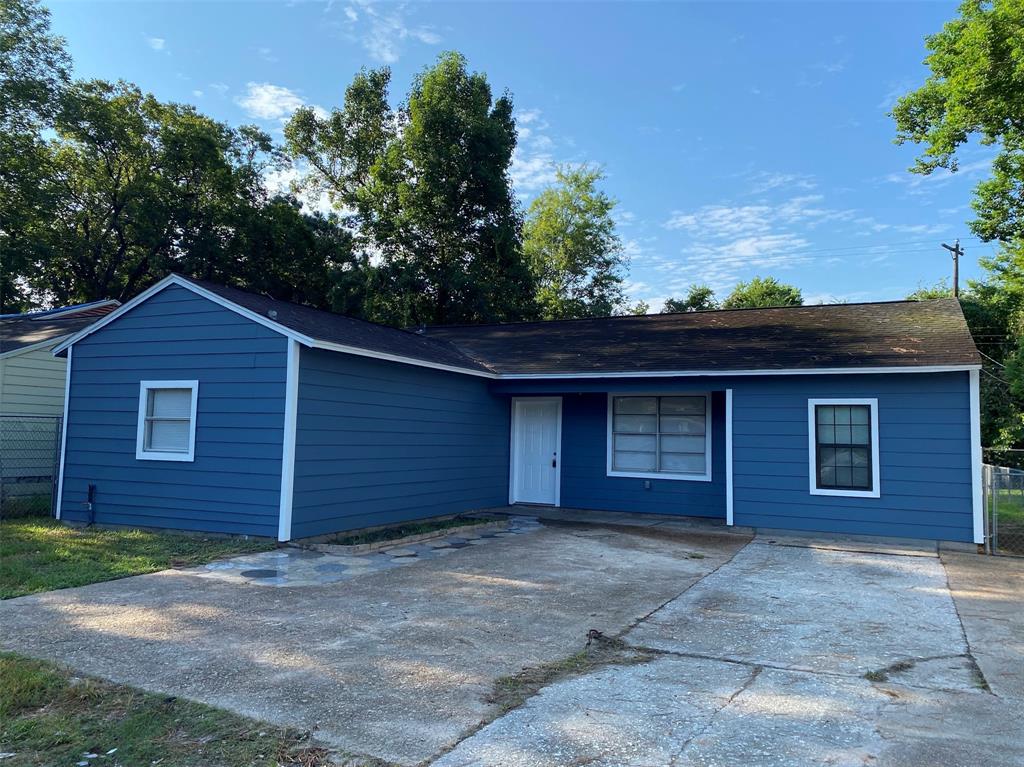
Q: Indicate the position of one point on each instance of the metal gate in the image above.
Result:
(1004, 509)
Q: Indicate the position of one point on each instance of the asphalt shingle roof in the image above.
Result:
(28, 329)
(336, 328)
(891, 334)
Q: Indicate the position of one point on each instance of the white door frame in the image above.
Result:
(512, 447)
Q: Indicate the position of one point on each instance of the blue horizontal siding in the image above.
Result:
(924, 446)
(379, 443)
(585, 484)
(233, 485)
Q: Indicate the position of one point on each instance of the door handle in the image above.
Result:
(554, 463)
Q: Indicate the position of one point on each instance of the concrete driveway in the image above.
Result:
(732, 651)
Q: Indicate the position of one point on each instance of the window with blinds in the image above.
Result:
(660, 436)
(167, 414)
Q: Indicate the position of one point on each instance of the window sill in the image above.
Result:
(846, 493)
(655, 475)
(151, 456)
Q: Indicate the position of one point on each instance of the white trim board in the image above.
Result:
(166, 282)
(730, 373)
(728, 458)
(977, 500)
(291, 408)
(141, 454)
(64, 435)
(812, 434)
(708, 454)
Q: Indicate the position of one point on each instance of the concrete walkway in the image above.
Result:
(726, 650)
(395, 663)
(793, 655)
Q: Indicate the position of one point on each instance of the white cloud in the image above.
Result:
(915, 183)
(764, 181)
(533, 161)
(156, 43)
(197, 93)
(382, 29)
(267, 54)
(264, 101)
(221, 88)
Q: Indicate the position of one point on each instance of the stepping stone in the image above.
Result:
(331, 567)
(478, 541)
(402, 552)
(259, 573)
(221, 566)
(440, 544)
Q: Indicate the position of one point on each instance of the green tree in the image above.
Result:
(571, 246)
(975, 90)
(428, 187)
(762, 292)
(699, 298)
(141, 188)
(34, 71)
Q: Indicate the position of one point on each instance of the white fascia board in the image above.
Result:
(174, 279)
(729, 373)
(64, 436)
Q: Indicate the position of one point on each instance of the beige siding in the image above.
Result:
(32, 383)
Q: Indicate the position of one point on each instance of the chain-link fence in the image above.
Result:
(29, 464)
(1004, 508)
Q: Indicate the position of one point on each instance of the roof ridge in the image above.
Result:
(689, 313)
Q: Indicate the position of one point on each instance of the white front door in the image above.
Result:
(536, 438)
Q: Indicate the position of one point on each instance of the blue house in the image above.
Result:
(202, 407)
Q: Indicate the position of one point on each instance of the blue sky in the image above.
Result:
(739, 139)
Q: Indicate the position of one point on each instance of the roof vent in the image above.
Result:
(272, 313)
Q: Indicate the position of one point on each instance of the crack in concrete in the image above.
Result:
(754, 673)
(979, 674)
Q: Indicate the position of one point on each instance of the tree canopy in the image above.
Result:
(572, 248)
(975, 90)
(699, 298)
(762, 292)
(428, 188)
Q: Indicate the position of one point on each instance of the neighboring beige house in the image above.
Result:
(32, 394)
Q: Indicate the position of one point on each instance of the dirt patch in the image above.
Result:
(512, 691)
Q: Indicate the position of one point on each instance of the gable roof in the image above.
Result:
(838, 336)
(903, 335)
(20, 331)
(328, 328)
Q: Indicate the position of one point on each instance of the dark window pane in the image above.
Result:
(859, 435)
(842, 415)
(860, 456)
(827, 456)
(844, 476)
(826, 414)
(860, 414)
(860, 477)
(828, 476)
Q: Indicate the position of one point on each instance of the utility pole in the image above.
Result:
(957, 251)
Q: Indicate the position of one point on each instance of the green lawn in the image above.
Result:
(40, 554)
(49, 716)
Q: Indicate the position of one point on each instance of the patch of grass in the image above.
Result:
(37, 505)
(882, 674)
(50, 717)
(512, 691)
(405, 530)
(43, 554)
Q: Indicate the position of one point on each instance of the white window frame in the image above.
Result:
(812, 446)
(705, 477)
(141, 453)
